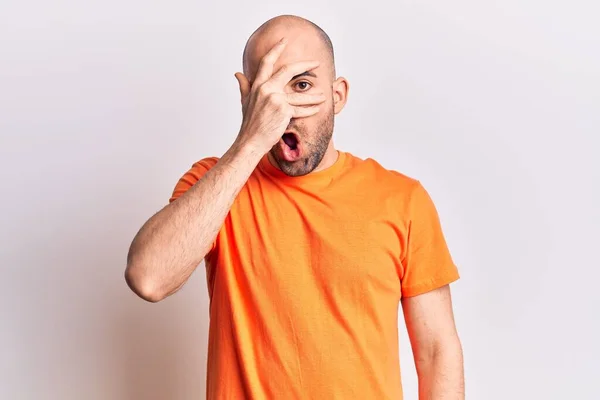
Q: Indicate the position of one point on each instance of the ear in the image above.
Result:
(340, 94)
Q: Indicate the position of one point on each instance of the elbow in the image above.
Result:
(145, 287)
(444, 350)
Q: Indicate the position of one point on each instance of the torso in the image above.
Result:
(305, 286)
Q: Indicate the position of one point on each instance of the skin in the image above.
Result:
(278, 92)
(436, 347)
(314, 133)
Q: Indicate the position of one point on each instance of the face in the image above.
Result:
(313, 133)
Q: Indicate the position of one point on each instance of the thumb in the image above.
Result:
(244, 85)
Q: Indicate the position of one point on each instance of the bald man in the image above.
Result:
(309, 250)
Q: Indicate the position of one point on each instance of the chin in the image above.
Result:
(292, 168)
(300, 167)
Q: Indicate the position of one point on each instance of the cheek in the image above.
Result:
(325, 108)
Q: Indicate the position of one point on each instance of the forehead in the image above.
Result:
(304, 44)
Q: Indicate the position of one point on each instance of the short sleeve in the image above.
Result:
(189, 179)
(427, 263)
(192, 176)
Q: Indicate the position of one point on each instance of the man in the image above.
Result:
(309, 250)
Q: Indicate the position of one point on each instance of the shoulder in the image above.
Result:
(373, 173)
(205, 163)
(192, 175)
(393, 190)
(200, 167)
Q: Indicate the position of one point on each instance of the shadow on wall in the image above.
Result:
(73, 328)
(161, 348)
(80, 333)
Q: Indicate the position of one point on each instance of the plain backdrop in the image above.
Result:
(493, 105)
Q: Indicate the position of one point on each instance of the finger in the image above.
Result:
(287, 72)
(305, 99)
(265, 69)
(244, 84)
(302, 112)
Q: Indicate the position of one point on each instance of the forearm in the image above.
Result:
(174, 241)
(441, 373)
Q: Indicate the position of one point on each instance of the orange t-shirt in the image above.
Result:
(305, 279)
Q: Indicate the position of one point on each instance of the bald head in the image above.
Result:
(308, 37)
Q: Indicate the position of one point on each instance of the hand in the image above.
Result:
(267, 109)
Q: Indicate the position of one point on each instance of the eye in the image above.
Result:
(303, 85)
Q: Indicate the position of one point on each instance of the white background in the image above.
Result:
(493, 105)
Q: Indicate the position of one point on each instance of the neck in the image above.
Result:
(330, 157)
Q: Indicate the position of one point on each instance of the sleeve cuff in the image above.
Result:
(432, 284)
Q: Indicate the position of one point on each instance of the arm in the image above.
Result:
(436, 347)
(170, 245)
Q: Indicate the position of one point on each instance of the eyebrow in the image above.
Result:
(306, 73)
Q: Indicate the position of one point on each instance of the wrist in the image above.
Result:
(246, 151)
(248, 145)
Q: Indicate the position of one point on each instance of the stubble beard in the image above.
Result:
(314, 150)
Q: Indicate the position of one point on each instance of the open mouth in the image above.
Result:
(290, 140)
(290, 147)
